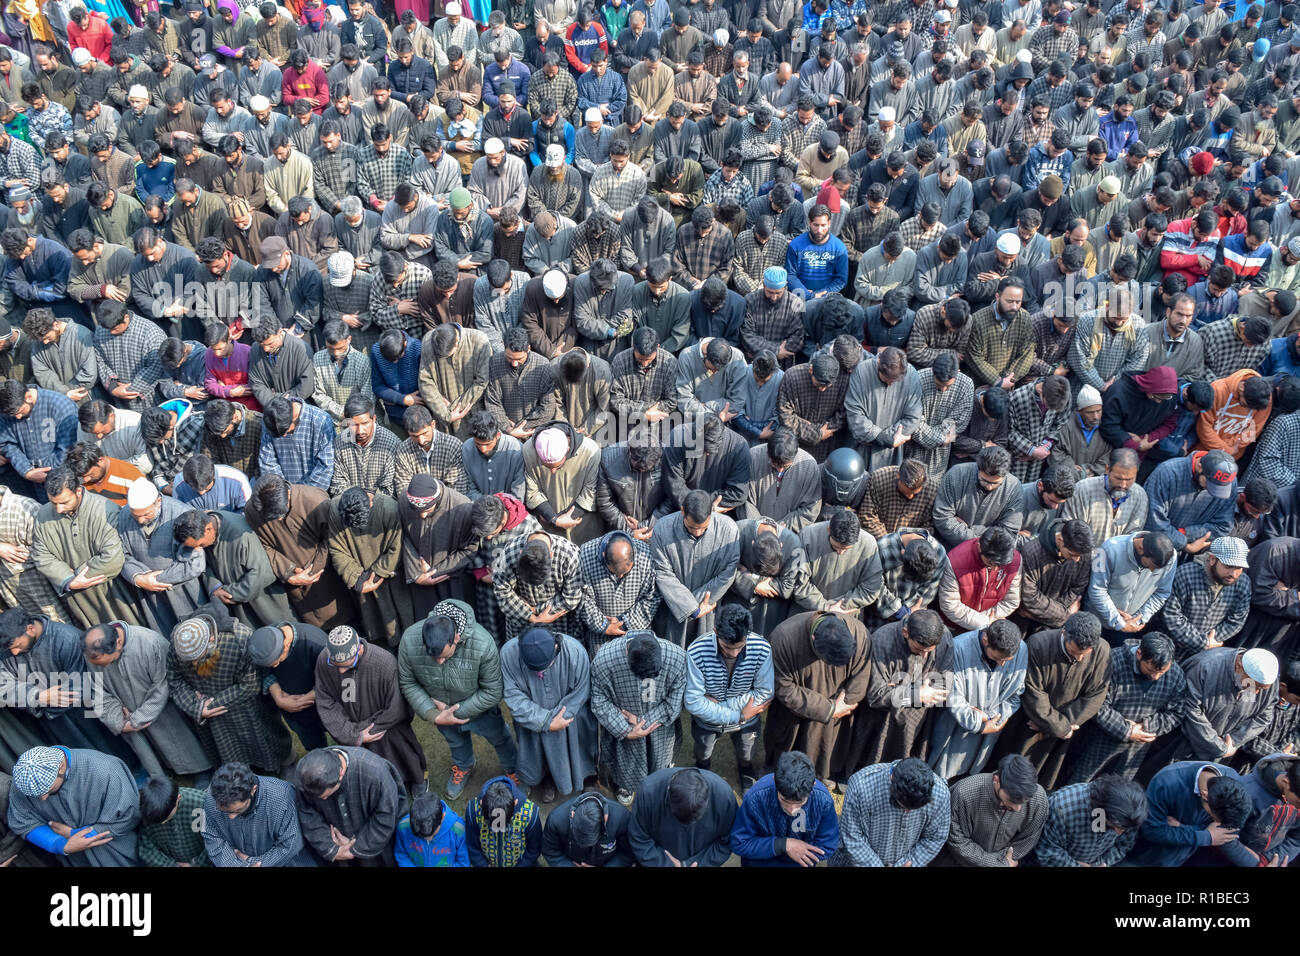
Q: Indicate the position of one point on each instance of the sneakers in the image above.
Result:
(456, 782)
(515, 777)
(625, 797)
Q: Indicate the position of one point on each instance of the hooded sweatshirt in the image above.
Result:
(1229, 425)
(1129, 408)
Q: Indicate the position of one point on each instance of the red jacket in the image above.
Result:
(96, 37)
(981, 588)
(310, 82)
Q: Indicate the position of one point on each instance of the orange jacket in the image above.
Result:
(1230, 425)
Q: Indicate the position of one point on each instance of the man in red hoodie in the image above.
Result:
(1191, 245)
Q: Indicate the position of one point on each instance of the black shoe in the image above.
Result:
(704, 764)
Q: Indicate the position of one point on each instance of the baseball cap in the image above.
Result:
(555, 156)
(975, 152)
(537, 648)
(1220, 473)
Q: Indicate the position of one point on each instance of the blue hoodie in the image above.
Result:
(445, 848)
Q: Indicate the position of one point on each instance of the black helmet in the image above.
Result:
(844, 476)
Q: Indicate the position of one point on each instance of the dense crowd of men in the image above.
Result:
(904, 391)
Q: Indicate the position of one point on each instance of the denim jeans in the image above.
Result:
(491, 726)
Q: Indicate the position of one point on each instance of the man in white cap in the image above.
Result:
(78, 804)
(591, 143)
(1095, 206)
(561, 467)
(454, 30)
(169, 587)
(1080, 445)
(555, 187)
(1210, 599)
(346, 295)
(498, 181)
(887, 126)
(1231, 696)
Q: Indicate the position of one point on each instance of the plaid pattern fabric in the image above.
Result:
(862, 231)
(803, 409)
(795, 138)
(897, 590)
(1029, 426)
(1277, 453)
(587, 248)
(1092, 504)
(333, 385)
(916, 236)
(937, 407)
(612, 192)
(383, 312)
(717, 190)
(1069, 836)
(1046, 45)
(370, 468)
(177, 840)
(753, 259)
(884, 511)
(759, 165)
(930, 336)
(300, 455)
(1225, 352)
(1119, 352)
(996, 349)
(126, 358)
(486, 608)
(380, 175)
(1056, 98)
(1195, 608)
(249, 732)
(443, 460)
(21, 585)
(873, 828)
(701, 257)
(1051, 348)
(562, 587)
(767, 324)
(334, 175)
(19, 161)
(170, 455)
(1036, 133)
(238, 451)
(1135, 42)
(633, 597)
(634, 389)
(520, 394)
(613, 688)
(1158, 706)
(560, 89)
